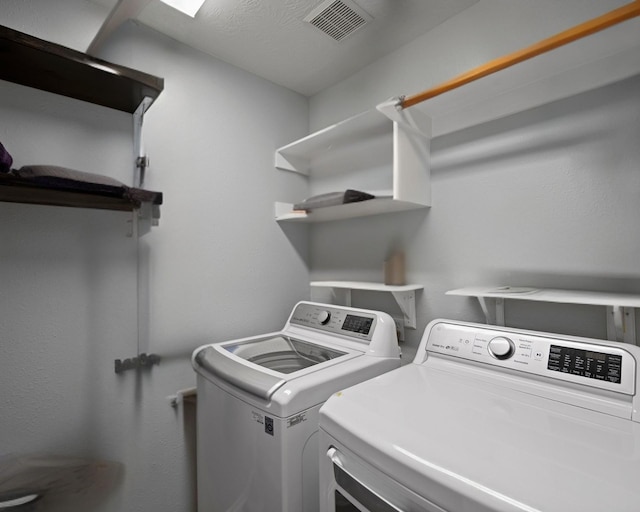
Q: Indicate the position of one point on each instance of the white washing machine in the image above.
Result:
(488, 419)
(258, 402)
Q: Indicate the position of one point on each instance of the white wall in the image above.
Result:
(486, 30)
(71, 23)
(218, 266)
(547, 197)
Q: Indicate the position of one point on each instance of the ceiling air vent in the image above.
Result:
(338, 18)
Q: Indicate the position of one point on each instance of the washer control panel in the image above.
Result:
(336, 320)
(595, 363)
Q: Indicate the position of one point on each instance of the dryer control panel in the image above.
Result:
(336, 320)
(594, 363)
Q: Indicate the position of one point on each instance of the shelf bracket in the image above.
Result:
(500, 312)
(621, 324)
(493, 310)
(392, 109)
(142, 219)
(291, 163)
(141, 160)
(342, 296)
(407, 302)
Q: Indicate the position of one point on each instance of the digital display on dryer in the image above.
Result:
(586, 363)
(359, 324)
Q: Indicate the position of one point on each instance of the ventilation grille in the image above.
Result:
(338, 18)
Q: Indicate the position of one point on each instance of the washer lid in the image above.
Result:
(282, 353)
(262, 365)
(455, 439)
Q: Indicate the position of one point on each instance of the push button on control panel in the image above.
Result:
(501, 347)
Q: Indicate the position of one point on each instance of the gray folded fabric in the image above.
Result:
(332, 199)
(53, 177)
(54, 172)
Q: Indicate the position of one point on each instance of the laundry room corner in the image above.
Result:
(216, 266)
(218, 224)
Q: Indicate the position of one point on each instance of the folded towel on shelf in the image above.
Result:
(53, 174)
(63, 179)
(5, 159)
(332, 199)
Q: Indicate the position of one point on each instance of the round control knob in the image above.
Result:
(501, 347)
(324, 317)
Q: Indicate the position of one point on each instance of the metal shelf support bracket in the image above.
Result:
(141, 161)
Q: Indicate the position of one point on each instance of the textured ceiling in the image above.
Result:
(269, 37)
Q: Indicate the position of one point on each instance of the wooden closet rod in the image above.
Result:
(587, 28)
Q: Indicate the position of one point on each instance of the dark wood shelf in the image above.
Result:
(78, 195)
(27, 60)
(33, 62)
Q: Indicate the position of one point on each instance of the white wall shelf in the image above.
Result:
(381, 204)
(368, 152)
(346, 148)
(620, 308)
(404, 295)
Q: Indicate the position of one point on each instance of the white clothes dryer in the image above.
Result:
(488, 419)
(258, 402)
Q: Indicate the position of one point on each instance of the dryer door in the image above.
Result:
(351, 485)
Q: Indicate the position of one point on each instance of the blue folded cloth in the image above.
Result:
(5, 159)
